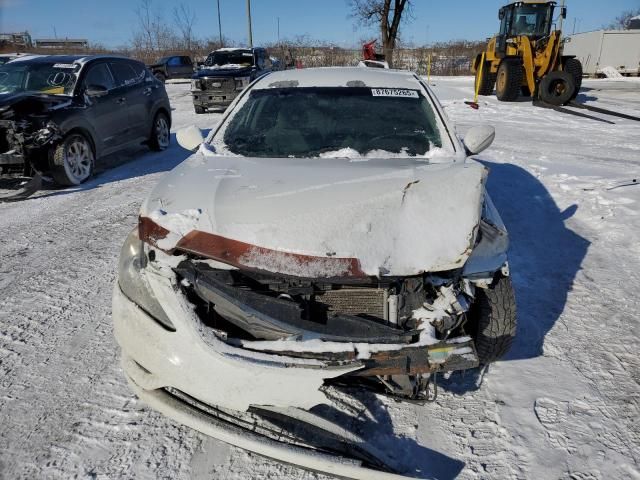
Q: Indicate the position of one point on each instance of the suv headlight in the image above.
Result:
(133, 282)
(242, 82)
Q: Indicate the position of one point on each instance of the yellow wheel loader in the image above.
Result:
(525, 58)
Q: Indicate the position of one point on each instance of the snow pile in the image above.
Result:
(610, 72)
(178, 224)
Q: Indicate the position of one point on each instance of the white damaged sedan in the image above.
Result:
(330, 234)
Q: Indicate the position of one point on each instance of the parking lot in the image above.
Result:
(565, 403)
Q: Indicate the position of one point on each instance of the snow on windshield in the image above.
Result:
(345, 122)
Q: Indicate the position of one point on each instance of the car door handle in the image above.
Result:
(121, 100)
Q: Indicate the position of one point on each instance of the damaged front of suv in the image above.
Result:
(275, 265)
(30, 95)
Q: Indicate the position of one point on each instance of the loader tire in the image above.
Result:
(573, 67)
(487, 81)
(492, 320)
(509, 80)
(557, 88)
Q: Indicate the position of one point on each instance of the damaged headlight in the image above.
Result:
(133, 282)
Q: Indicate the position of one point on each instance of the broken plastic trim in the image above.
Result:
(232, 252)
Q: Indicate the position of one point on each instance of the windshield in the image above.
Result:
(232, 57)
(532, 20)
(50, 78)
(332, 122)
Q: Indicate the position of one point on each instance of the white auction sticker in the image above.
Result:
(394, 92)
(64, 65)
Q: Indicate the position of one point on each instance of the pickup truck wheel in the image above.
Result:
(160, 76)
(72, 161)
(160, 134)
(492, 320)
(199, 110)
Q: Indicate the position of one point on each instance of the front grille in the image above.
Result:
(356, 301)
(221, 84)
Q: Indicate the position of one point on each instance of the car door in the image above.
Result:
(131, 83)
(106, 114)
(174, 67)
(186, 67)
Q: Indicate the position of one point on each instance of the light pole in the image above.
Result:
(249, 20)
(220, 25)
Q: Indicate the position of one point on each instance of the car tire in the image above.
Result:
(509, 80)
(199, 110)
(557, 88)
(160, 77)
(492, 320)
(160, 137)
(72, 161)
(574, 68)
(484, 85)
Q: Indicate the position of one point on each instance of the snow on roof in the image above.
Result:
(340, 77)
(231, 49)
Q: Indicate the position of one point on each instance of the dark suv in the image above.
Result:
(177, 66)
(225, 73)
(60, 113)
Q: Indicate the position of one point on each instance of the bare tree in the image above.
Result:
(387, 14)
(185, 19)
(623, 21)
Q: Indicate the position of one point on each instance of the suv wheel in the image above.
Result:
(72, 161)
(160, 134)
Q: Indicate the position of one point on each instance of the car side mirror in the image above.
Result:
(478, 139)
(97, 90)
(190, 138)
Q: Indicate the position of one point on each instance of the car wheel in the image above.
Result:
(160, 76)
(557, 88)
(509, 80)
(492, 320)
(72, 161)
(199, 110)
(160, 134)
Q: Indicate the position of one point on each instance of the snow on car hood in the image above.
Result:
(316, 217)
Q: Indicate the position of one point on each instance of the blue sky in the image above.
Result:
(111, 22)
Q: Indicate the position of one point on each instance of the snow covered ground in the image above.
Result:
(565, 404)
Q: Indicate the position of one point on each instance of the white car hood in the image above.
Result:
(395, 216)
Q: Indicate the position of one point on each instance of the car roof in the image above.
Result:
(340, 77)
(81, 59)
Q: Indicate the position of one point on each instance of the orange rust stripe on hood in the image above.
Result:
(232, 252)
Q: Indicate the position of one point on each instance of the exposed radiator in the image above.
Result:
(357, 301)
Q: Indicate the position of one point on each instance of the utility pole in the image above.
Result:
(220, 25)
(278, 30)
(249, 20)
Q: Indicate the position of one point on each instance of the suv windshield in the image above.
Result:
(50, 78)
(532, 20)
(332, 122)
(231, 57)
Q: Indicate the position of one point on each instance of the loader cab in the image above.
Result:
(533, 20)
